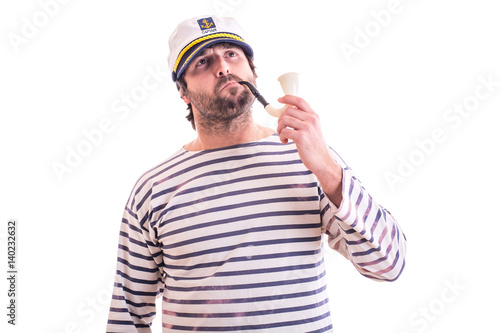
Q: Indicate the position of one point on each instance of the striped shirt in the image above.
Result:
(231, 239)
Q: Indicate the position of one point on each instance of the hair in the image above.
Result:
(181, 84)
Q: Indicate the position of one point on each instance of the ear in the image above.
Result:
(185, 99)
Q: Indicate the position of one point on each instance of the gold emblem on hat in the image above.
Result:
(206, 24)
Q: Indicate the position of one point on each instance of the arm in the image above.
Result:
(301, 124)
(363, 231)
(138, 280)
(357, 227)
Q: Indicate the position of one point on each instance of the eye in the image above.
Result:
(231, 53)
(201, 62)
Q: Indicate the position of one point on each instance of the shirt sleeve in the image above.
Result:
(139, 276)
(363, 231)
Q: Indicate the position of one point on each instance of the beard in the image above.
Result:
(221, 112)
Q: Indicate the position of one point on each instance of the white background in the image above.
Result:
(68, 74)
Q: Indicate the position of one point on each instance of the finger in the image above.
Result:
(287, 134)
(283, 140)
(296, 113)
(296, 101)
(281, 125)
(290, 118)
(290, 121)
(280, 129)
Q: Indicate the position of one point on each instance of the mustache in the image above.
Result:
(225, 79)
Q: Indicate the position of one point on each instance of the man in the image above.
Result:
(228, 231)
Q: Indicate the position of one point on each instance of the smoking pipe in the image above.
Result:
(290, 85)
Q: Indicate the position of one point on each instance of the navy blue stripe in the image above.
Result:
(143, 222)
(375, 223)
(368, 209)
(356, 205)
(384, 258)
(142, 281)
(243, 259)
(120, 322)
(233, 247)
(118, 309)
(129, 302)
(134, 215)
(146, 230)
(127, 322)
(347, 231)
(247, 300)
(138, 268)
(135, 292)
(357, 242)
(251, 313)
(392, 266)
(324, 329)
(126, 225)
(132, 240)
(325, 209)
(247, 179)
(123, 310)
(138, 255)
(237, 219)
(247, 286)
(144, 198)
(401, 270)
(253, 271)
(147, 315)
(371, 240)
(367, 252)
(251, 327)
(241, 232)
(131, 226)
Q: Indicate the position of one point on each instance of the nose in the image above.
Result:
(222, 67)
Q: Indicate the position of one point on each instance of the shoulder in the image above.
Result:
(145, 184)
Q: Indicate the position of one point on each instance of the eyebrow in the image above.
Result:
(224, 45)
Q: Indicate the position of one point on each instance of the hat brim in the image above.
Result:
(196, 49)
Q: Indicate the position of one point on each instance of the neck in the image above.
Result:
(240, 130)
